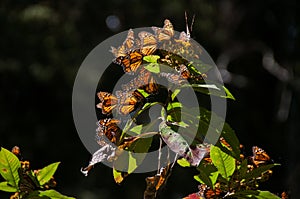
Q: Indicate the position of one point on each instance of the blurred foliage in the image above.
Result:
(25, 182)
(44, 42)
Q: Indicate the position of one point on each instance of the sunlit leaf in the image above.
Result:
(4, 186)
(174, 111)
(137, 129)
(9, 165)
(135, 151)
(144, 93)
(211, 88)
(48, 194)
(151, 58)
(132, 163)
(224, 162)
(183, 162)
(175, 93)
(208, 174)
(255, 194)
(228, 93)
(174, 105)
(153, 67)
(45, 174)
(266, 195)
(119, 176)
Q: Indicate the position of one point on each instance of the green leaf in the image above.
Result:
(4, 186)
(208, 174)
(174, 111)
(175, 93)
(151, 58)
(201, 67)
(224, 162)
(174, 105)
(45, 174)
(132, 163)
(243, 169)
(143, 92)
(52, 194)
(138, 152)
(229, 135)
(119, 176)
(137, 129)
(153, 68)
(183, 162)
(211, 88)
(134, 156)
(257, 172)
(255, 194)
(228, 93)
(244, 194)
(9, 165)
(266, 195)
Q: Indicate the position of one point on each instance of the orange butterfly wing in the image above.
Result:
(148, 43)
(259, 156)
(109, 127)
(107, 102)
(127, 45)
(129, 101)
(165, 33)
(130, 62)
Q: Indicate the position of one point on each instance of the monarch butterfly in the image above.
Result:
(148, 43)
(127, 45)
(107, 102)
(259, 156)
(109, 127)
(144, 81)
(165, 33)
(129, 101)
(130, 62)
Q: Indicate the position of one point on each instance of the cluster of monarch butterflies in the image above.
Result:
(164, 48)
(130, 57)
(28, 180)
(170, 50)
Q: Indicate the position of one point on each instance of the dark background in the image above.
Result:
(42, 43)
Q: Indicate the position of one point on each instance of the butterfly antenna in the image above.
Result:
(187, 26)
(193, 20)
